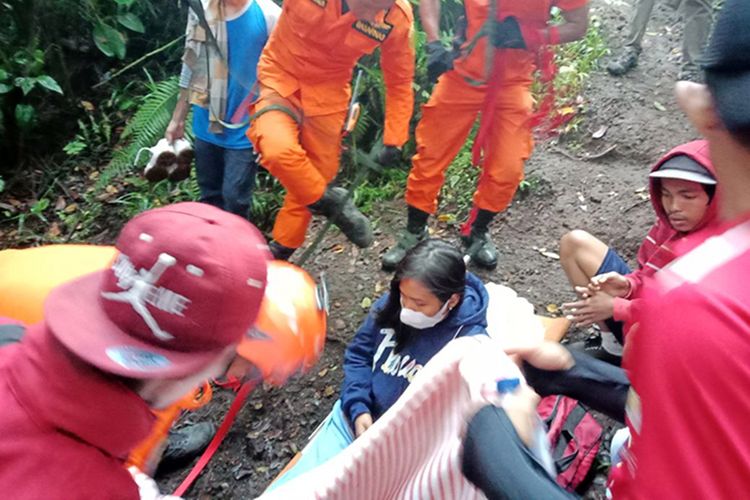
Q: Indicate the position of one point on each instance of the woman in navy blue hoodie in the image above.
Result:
(432, 301)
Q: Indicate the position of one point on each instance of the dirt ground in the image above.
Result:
(578, 188)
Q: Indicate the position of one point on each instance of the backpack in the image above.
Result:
(575, 438)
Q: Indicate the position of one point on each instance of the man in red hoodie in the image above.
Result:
(77, 391)
(687, 352)
(682, 188)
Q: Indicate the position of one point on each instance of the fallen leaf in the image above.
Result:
(322, 373)
(54, 230)
(334, 368)
(60, 203)
(378, 287)
(581, 198)
(600, 132)
(338, 248)
(87, 106)
(71, 208)
(641, 189)
(258, 405)
(585, 208)
(111, 189)
(446, 217)
(366, 303)
(659, 106)
(567, 110)
(553, 308)
(329, 391)
(551, 255)
(261, 469)
(93, 175)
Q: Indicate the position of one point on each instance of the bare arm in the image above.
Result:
(176, 127)
(429, 14)
(575, 25)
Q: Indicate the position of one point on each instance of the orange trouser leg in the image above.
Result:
(511, 144)
(276, 138)
(304, 158)
(446, 121)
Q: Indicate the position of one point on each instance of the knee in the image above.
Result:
(274, 150)
(572, 242)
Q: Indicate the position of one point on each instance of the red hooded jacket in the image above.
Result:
(657, 250)
(66, 427)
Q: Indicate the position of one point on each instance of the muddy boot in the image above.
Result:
(624, 62)
(344, 215)
(416, 231)
(691, 74)
(479, 245)
(482, 250)
(279, 251)
(185, 444)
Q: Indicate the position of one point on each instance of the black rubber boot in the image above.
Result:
(416, 231)
(185, 444)
(479, 245)
(342, 212)
(279, 251)
(624, 62)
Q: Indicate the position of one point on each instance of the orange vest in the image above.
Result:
(517, 65)
(315, 46)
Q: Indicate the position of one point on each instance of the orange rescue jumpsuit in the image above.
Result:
(456, 100)
(307, 67)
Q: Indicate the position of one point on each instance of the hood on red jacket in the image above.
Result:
(697, 151)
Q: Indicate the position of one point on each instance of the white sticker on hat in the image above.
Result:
(134, 358)
(139, 290)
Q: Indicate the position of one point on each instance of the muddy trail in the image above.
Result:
(579, 182)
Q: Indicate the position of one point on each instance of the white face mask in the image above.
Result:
(420, 321)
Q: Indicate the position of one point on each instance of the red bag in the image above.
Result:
(575, 438)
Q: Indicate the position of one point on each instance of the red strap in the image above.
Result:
(246, 388)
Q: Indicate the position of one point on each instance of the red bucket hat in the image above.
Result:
(188, 282)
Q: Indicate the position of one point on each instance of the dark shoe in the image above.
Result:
(593, 347)
(481, 250)
(185, 444)
(625, 62)
(406, 241)
(690, 74)
(344, 215)
(280, 252)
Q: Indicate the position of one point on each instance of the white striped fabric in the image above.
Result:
(413, 451)
(707, 257)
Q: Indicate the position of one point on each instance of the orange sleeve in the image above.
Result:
(397, 62)
(570, 4)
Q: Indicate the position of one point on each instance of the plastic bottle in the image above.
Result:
(539, 447)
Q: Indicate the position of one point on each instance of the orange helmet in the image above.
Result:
(290, 331)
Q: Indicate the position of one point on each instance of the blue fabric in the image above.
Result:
(375, 375)
(226, 177)
(331, 439)
(246, 36)
(614, 263)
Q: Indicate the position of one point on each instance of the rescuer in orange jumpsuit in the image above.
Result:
(304, 77)
(501, 63)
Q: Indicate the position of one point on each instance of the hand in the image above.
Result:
(547, 355)
(175, 130)
(439, 60)
(614, 284)
(592, 307)
(362, 423)
(520, 406)
(388, 156)
(509, 34)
